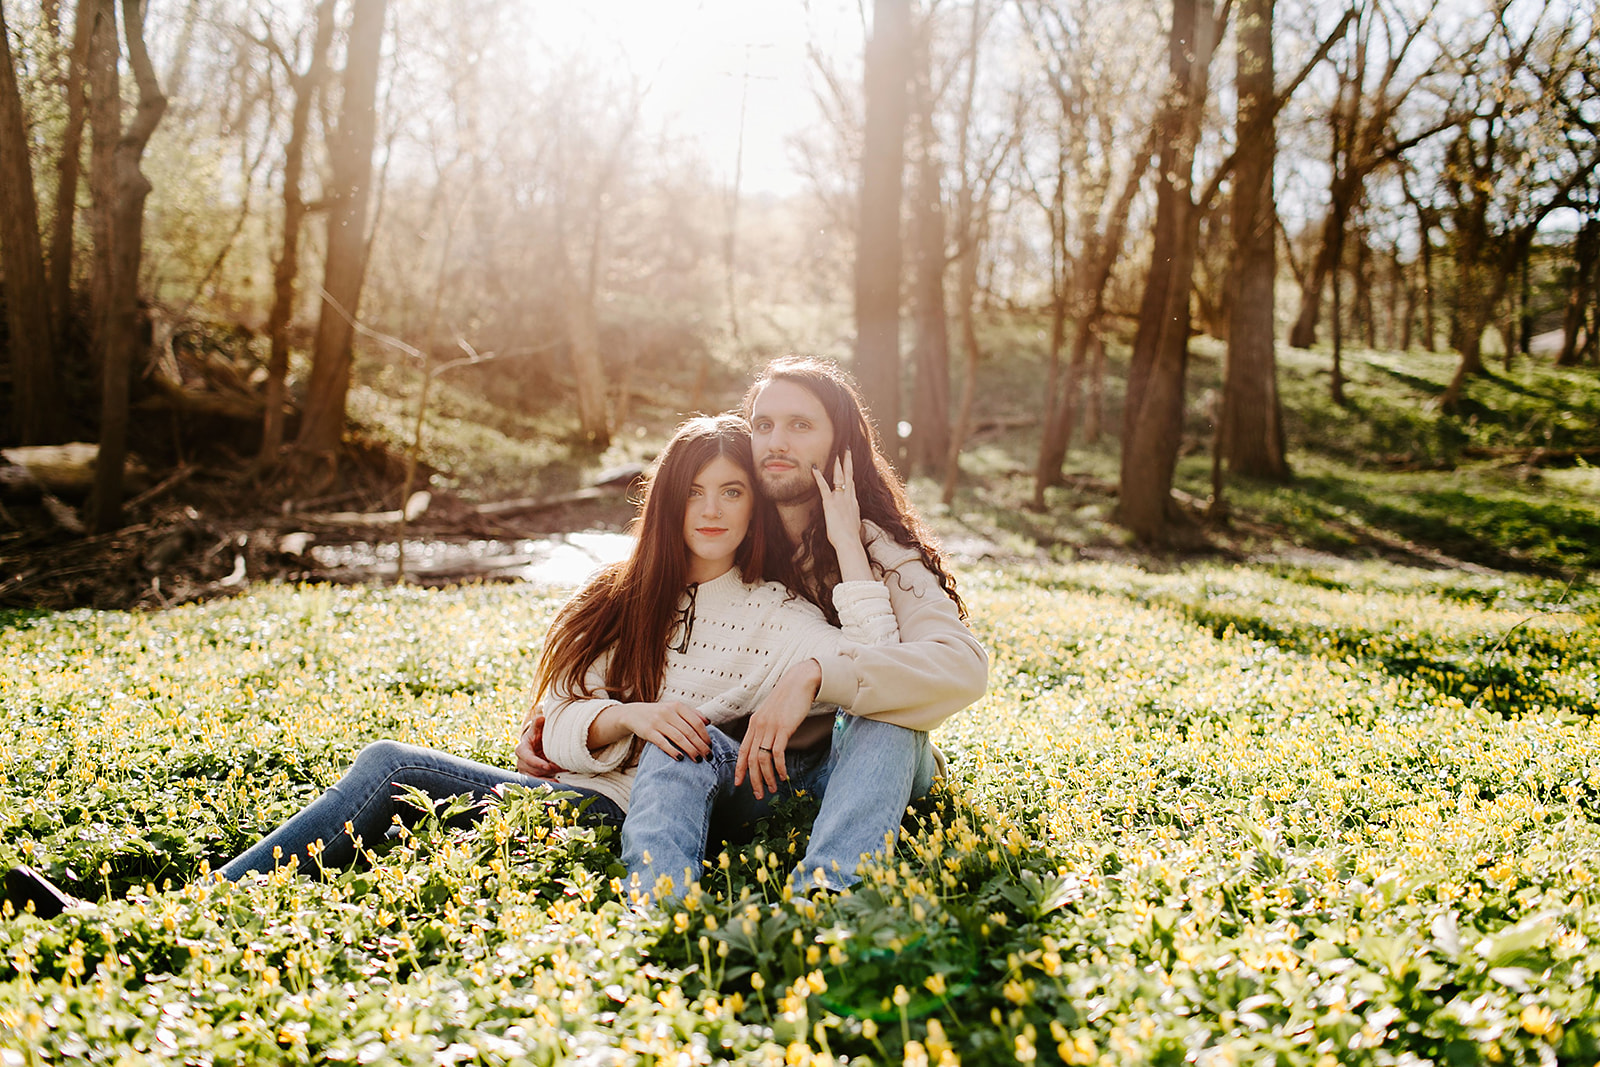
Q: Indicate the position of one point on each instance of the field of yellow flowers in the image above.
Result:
(1342, 814)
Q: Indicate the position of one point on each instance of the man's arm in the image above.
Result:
(936, 670)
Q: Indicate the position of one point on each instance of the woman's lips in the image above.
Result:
(710, 531)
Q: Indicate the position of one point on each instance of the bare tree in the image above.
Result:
(306, 84)
(35, 394)
(1153, 415)
(977, 169)
(348, 196)
(123, 336)
(1091, 197)
(930, 403)
(67, 168)
(1516, 160)
(1363, 124)
(1250, 429)
(1582, 289)
(878, 255)
(1250, 437)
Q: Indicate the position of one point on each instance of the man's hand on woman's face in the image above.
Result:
(761, 755)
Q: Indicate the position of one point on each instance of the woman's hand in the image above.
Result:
(530, 751)
(841, 514)
(766, 738)
(676, 728)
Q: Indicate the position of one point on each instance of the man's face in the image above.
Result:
(789, 434)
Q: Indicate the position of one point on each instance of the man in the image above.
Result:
(867, 763)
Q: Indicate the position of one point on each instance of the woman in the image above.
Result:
(679, 635)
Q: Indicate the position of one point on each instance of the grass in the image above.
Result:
(1341, 813)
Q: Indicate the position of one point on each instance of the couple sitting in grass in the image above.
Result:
(783, 623)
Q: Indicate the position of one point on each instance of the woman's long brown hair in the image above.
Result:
(631, 607)
(812, 570)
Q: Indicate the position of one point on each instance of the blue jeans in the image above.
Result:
(367, 799)
(865, 776)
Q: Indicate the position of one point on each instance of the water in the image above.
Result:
(558, 561)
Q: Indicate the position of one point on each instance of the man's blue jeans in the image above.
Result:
(866, 776)
(368, 799)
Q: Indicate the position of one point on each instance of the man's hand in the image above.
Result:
(772, 724)
(530, 751)
(676, 728)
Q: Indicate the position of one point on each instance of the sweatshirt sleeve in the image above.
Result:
(566, 727)
(936, 669)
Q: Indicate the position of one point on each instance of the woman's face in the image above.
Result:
(716, 518)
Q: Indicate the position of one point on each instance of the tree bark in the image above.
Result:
(123, 335)
(877, 273)
(930, 404)
(1580, 292)
(966, 300)
(1088, 350)
(347, 198)
(67, 170)
(306, 86)
(1153, 418)
(35, 397)
(105, 124)
(1250, 429)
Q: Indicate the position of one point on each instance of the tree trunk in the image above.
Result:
(123, 335)
(1094, 408)
(349, 192)
(877, 275)
(35, 398)
(930, 420)
(1336, 371)
(1430, 325)
(1055, 438)
(1153, 420)
(105, 125)
(1250, 429)
(1329, 252)
(583, 341)
(306, 85)
(967, 297)
(1585, 255)
(67, 167)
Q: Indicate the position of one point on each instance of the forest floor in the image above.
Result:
(1509, 482)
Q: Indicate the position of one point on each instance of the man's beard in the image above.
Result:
(786, 487)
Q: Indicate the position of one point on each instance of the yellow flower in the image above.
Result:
(1540, 1021)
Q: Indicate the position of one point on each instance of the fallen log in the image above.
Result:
(61, 469)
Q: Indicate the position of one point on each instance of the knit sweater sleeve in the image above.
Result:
(567, 721)
(937, 668)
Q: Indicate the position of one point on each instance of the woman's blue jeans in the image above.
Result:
(865, 776)
(368, 798)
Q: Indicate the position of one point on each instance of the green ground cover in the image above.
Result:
(1343, 814)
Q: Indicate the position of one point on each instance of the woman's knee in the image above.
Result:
(385, 754)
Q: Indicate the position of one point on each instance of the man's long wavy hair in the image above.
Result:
(812, 567)
(631, 607)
